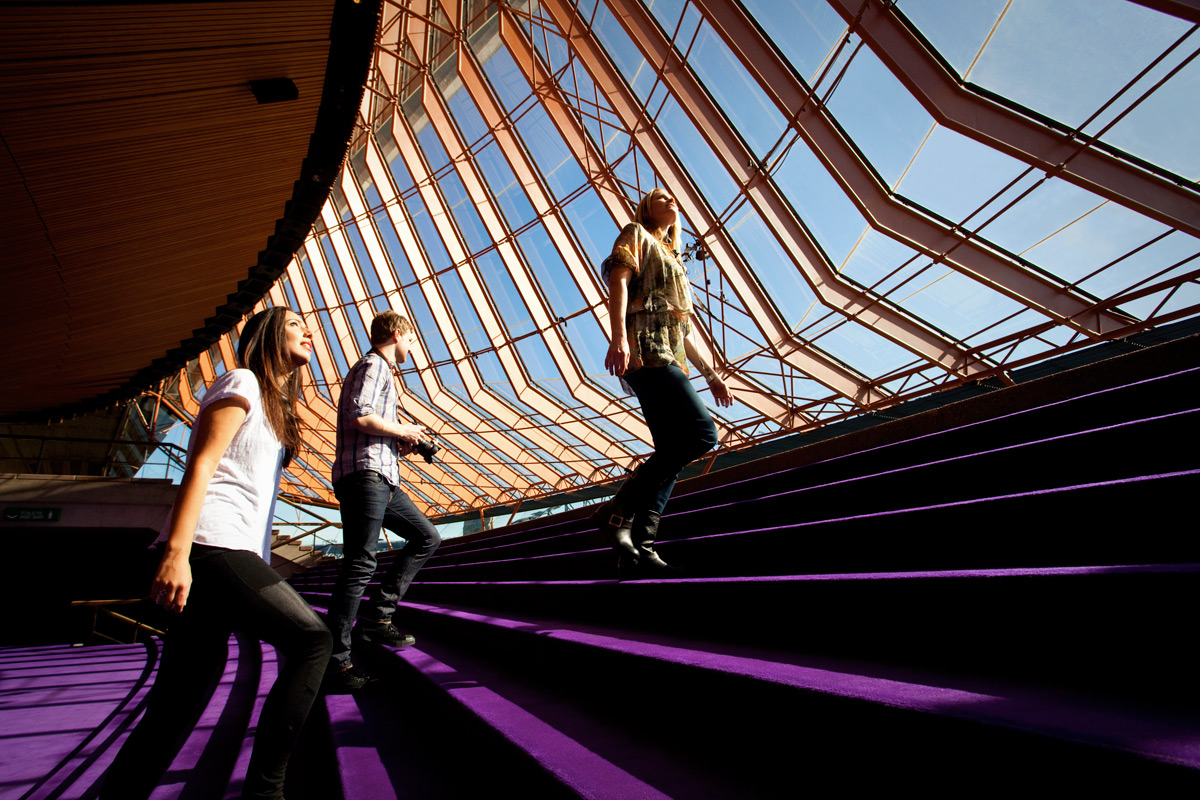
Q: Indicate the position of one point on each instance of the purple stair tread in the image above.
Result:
(209, 755)
(958, 429)
(968, 503)
(57, 721)
(1005, 572)
(1152, 734)
(585, 772)
(360, 766)
(922, 464)
(268, 672)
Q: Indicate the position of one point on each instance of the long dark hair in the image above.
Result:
(261, 349)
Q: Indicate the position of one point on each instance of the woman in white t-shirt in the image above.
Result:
(215, 570)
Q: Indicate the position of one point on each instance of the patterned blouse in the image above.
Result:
(660, 299)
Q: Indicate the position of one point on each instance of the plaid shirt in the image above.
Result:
(368, 389)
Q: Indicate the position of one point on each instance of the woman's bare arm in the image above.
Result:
(215, 428)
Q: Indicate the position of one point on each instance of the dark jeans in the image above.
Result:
(682, 430)
(370, 503)
(231, 590)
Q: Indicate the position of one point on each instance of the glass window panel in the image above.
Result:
(495, 276)
(464, 311)
(1172, 255)
(335, 347)
(391, 241)
(814, 30)
(589, 220)
(953, 175)
(369, 275)
(1187, 296)
(1067, 78)
(540, 366)
(826, 211)
(752, 114)
(549, 271)
(771, 265)
(624, 53)
(431, 239)
(391, 154)
(957, 30)
(953, 302)
(314, 367)
(558, 166)
(879, 114)
(431, 147)
(589, 343)
(668, 13)
(696, 156)
(510, 196)
(1162, 128)
(551, 46)
(1096, 239)
(861, 347)
(507, 80)
(464, 213)
(431, 335)
(1051, 206)
(877, 257)
(466, 114)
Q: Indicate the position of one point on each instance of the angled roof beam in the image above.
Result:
(592, 163)
(442, 217)
(952, 104)
(775, 331)
(859, 305)
(444, 400)
(1184, 9)
(577, 383)
(324, 416)
(942, 243)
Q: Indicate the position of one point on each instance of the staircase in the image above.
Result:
(978, 598)
(986, 597)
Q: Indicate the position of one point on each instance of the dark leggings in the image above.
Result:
(682, 429)
(231, 590)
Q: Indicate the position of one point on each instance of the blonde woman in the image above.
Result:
(650, 306)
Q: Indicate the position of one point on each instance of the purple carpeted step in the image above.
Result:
(853, 540)
(267, 673)
(360, 766)
(1111, 628)
(581, 770)
(62, 711)
(66, 712)
(1155, 734)
(207, 759)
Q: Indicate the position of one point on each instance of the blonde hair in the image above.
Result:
(385, 324)
(673, 231)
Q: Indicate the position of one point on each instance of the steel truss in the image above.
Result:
(506, 379)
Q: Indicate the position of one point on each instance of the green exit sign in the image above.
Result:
(12, 514)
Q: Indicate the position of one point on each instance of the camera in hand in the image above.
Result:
(427, 449)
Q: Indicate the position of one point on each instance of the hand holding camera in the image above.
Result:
(427, 449)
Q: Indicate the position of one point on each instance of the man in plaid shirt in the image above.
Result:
(366, 480)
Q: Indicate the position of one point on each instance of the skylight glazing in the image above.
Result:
(886, 201)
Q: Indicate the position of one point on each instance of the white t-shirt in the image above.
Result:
(240, 503)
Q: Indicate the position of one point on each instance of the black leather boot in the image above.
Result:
(644, 535)
(616, 523)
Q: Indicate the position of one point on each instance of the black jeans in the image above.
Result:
(370, 503)
(682, 430)
(231, 590)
